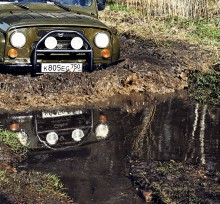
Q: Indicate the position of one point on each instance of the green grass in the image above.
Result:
(115, 7)
(3, 177)
(33, 186)
(205, 88)
(27, 186)
(52, 181)
(10, 139)
(187, 37)
(206, 32)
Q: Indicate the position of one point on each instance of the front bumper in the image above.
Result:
(28, 68)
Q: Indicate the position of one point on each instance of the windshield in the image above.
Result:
(84, 3)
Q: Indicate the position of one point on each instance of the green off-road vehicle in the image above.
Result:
(41, 36)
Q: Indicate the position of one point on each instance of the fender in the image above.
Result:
(2, 46)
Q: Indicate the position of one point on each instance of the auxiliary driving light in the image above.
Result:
(77, 135)
(76, 43)
(23, 138)
(101, 131)
(52, 138)
(12, 53)
(50, 42)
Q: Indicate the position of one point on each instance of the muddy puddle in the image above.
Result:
(93, 163)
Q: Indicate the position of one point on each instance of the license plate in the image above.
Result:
(61, 67)
(60, 114)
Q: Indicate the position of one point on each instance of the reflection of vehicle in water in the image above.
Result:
(58, 129)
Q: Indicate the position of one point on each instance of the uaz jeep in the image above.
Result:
(43, 36)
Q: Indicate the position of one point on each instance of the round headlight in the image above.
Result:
(101, 131)
(101, 40)
(50, 42)
(23, 138)
(52, 138)
(17, 39)
(76, 43)
(77, 135)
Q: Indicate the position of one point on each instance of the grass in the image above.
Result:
(33, 187)
(10, 139)
(52, 182)
(173, 8)
(205, 87)
(28, 187)
(118, 7)
(200, 31)
(3, 177)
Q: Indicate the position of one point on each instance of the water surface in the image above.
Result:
(96, 171)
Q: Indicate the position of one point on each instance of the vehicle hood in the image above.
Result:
(39, 18)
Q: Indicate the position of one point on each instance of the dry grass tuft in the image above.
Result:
(172, 8)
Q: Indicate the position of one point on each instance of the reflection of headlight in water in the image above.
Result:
(77, 135)
(23, 138)
(52, 138)
(101, 131)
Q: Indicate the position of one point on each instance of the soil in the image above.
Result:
(171, 182)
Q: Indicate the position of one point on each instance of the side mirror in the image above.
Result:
(101, 5)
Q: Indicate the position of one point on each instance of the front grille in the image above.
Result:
(65, 137)
(63, 123)
(63, 39)
(41, 33)
(63, 52)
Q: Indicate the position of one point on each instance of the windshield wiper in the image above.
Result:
(60, 5)
(18, 4)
